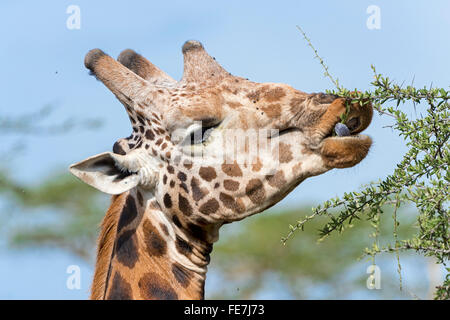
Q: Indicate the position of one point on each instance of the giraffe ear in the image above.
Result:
(104, 172)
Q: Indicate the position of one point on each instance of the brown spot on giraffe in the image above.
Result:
(229, 202)
(257, 165)
(230, 185)
(181, 274)
(234, 104)
(187, 164)
(126, 249)
(272, 110)
(182, 176)
(284, 153)
(153, 287)
(207, 173)
(168, 200)
(176, 221)
(184, 187)
(296, 104)
(156, 245)
(149, 134)
(255, 191)
(128, 214)
(197, 192)
(232, 170)
(184, 205)
(274, 94)
(209, 207)
(254, 95)
(296, 169)
(120, 289)
(276, 180)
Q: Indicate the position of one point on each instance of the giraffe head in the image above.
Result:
(214, 148)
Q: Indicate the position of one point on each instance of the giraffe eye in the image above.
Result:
(198, 132)
(202, 134)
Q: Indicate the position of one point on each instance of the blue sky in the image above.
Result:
(43, 63)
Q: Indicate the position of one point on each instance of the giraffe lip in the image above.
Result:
(345, 152)
(350, 137)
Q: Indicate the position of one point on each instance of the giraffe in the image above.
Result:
(172, 181)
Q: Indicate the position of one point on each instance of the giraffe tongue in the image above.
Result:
(341, 130)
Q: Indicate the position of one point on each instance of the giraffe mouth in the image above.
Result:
(343, 146)
(350, 128)
(345, 120)
(348, 131)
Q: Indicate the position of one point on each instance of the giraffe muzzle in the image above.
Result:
(342, 144)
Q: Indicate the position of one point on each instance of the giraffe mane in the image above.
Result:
(105, 246)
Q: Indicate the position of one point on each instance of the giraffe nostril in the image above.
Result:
(353, 124)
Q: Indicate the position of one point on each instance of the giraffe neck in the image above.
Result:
(148, 256)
